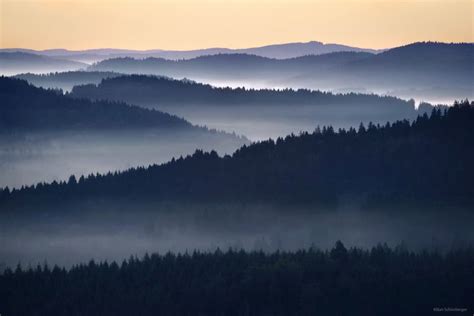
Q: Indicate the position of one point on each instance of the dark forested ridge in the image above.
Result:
(142, 89)
(428, 161)
(380, 281)
(25, 107)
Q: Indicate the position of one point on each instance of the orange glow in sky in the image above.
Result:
(190, 24)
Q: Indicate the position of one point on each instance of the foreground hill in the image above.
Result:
(12, 63)
(307, 282)
(430, 71)
(427, 162)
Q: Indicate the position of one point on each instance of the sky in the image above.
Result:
(192, 24)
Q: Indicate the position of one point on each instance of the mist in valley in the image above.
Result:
(115, 230)
(214, 158)
(30, 158)
(261, 122)
(426, 71)
(257, 114)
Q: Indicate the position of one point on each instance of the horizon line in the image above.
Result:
(228, 48)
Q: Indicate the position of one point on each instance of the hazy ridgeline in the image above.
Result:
(281, 51)
(257, 114)
(433, 72)
(45, 136)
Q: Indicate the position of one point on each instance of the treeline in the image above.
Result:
(340, 281)
(143, 89)
(424, 162)
(25, 107)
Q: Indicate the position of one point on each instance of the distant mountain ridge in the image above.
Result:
(229, 66)
(280, 51)
(413, 55)
(425, 70)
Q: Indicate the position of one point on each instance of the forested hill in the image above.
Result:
(427, 161)
(142, 89)
(24, 107)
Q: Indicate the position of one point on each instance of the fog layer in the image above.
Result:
(43, 157)
(260, 122)
(113, 231)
